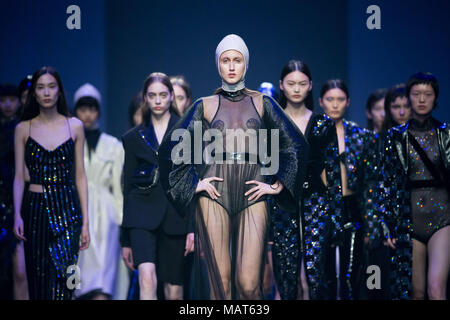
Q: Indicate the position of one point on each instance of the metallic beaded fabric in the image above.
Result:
(52, 220)
(400, 165)
(429, 205)
(308, 221)
(360, 160)
(285, 250)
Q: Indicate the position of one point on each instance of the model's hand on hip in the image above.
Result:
(205, 185)
(262, 189)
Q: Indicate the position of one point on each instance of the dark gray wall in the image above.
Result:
(121, 42)
(180, 37)
(414, 37)
(34, 34)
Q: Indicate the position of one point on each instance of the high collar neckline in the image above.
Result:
(422, 126)
(233, 96)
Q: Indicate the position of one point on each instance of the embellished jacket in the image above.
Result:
(360, 160)
(293, 232)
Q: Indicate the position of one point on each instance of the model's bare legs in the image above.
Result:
(20, 274)
(250, 250)
(438, 264)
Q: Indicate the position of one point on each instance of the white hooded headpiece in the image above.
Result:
(87, 90)
(233, 42)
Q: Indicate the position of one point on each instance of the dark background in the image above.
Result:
(121, 42)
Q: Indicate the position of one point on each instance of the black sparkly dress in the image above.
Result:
(52, 220)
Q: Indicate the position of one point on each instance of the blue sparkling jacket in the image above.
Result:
(319, 222)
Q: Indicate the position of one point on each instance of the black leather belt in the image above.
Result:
(237, 156)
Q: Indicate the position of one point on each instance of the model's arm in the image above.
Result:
(288, 170)
(130, 164)
(125, 243)
(19, 181)
(387, 188)
(116, 181)
(80, 179)
(371, 189)
(180, 180)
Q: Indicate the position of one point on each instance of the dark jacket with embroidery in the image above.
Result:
(146, 207)
(303, 229)
(360, 159)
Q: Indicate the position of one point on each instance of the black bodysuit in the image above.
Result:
(429, 205)
(236, 116)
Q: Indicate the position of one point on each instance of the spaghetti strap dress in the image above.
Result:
(52, 221)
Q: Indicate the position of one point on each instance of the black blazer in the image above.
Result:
(147, 208)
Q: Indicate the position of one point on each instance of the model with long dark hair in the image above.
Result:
(155, 237)
(293, 237)
(350, 178)
(52, 217)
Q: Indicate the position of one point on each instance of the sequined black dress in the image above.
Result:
(231, 229)
(52, 220)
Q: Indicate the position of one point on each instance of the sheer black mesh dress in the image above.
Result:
(230, 232)
(232, 219)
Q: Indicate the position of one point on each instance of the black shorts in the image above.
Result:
(165, 251)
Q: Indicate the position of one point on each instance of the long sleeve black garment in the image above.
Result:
(144, 206)
(180, 180)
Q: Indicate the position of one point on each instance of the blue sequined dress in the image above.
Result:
(52, 220)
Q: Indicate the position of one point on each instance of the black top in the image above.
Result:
(50, 166)
(320, 132)
(92, 137)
